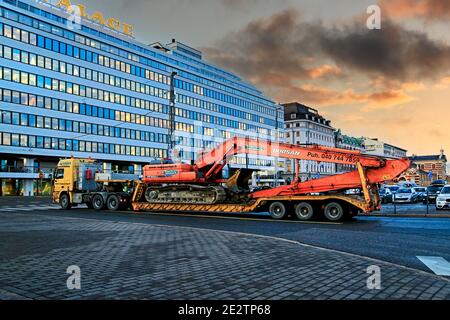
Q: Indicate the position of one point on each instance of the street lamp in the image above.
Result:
(172, 113)
(277, 137)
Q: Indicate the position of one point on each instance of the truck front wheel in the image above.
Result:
(98, 203)
(304, 211)
(113, 202)
(334, 211)
(277, 210)
(64, 202)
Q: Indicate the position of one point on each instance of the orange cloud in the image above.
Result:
(321, 96)
(428, 9)
(324, 71)
(444, 83)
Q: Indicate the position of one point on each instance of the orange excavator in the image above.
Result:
(201, 187)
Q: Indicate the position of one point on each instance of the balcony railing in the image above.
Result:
(33, 170)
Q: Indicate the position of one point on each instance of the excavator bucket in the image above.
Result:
(239, 181)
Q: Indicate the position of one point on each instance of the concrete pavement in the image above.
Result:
(127, 260)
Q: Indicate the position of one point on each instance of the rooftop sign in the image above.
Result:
(96, 17)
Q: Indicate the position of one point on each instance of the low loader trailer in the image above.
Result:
(199, 187)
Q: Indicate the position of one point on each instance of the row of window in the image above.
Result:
(31, 100)
(84, 91)
(210, 93)
(93, 75)
(31, 120)
(54, 84)
(308, 136)
(219, 120)
(77, 71)
(40, 142)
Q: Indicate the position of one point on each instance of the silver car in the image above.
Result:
(404, 195)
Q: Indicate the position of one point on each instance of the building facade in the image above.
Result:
(425, 169)
(379, 148)
(305, 126)
(347, 142)
(93, 91)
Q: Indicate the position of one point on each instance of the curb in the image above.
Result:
(407, 215)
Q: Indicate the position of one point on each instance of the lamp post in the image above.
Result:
(172, 114)
(277, 140)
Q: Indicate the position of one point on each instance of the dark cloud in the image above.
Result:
(394, 52)
(272, 50)
(283, 51)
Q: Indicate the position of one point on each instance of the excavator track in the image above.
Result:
(186, 194)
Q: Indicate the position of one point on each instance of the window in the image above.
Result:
(16, 54)
(7, 53)
(6, 139)
(15, 140)
(59, 174)
(8, 32)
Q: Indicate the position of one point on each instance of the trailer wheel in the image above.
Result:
(64, 202)
(98, 203)
(113, 202)
(304, 211)
(334, 211)
(277, 210)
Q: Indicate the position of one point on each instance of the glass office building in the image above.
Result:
(95, 92)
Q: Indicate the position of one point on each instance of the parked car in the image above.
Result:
(432, 193)
(420, 194)
(404, 195)
(443, 199)
(386, 195)
(393, 189)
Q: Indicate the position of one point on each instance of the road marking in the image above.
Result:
(235, 218)
(438, 265)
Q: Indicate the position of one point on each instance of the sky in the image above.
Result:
(392, 83)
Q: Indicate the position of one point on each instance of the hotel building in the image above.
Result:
(93, 91)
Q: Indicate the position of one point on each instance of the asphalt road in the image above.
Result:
(397, 240)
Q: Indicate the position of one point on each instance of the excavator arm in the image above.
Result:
(217, 157)
(371, 170)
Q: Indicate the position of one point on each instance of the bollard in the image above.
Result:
(428, 202)
(395, 204)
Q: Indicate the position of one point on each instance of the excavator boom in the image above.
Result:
(250, 146)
